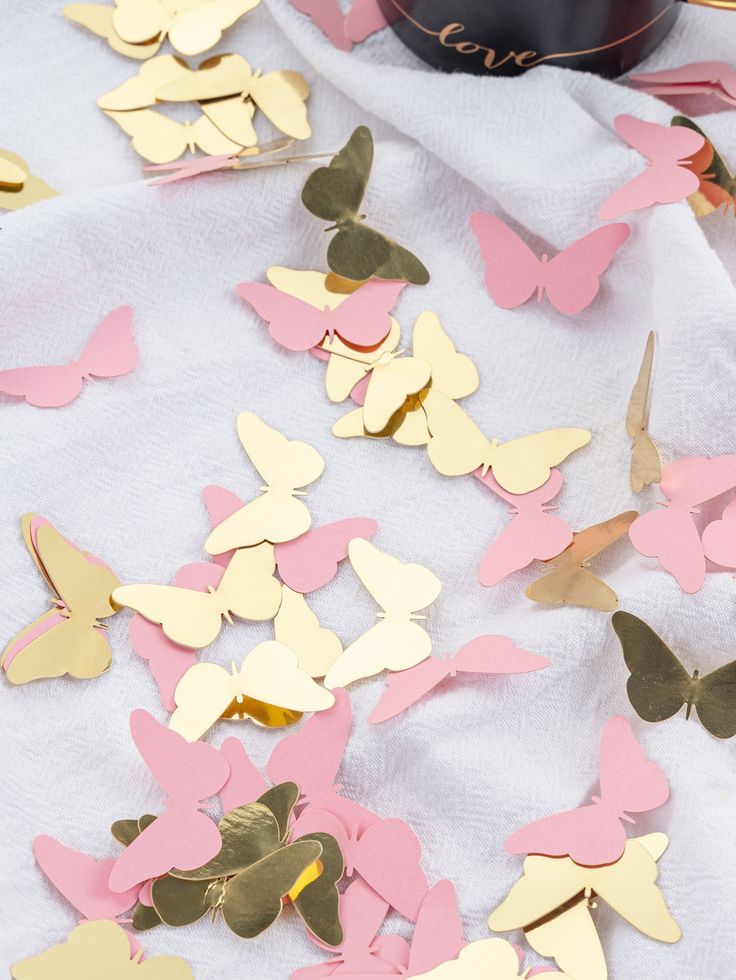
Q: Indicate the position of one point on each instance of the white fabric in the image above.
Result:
(120, 470)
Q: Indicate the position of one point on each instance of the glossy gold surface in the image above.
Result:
(646, 466)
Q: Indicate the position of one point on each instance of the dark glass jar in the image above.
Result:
(506, 37)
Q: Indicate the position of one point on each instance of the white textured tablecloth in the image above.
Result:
(120, 470)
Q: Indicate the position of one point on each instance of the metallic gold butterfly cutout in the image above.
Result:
(552, 903)
(297, 627)
(570, 582)
(257, 872)
(69, 639)
(717, 184)
(137, 28)
(397, 642)
(452, 374)
(161, 140)
(659, 685)
(646, 466)
(486, 959)
(335, 194)
(458, 446)
(269, 687)
(18, 186)
(276, 515)
(248, 590)
(99, 949)
(225, 83)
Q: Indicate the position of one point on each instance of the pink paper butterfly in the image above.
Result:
(668, 150)
(109, 352)
(306, 563)
(193, 167)
(594, 834)
(571, 279)
(365, 18)
(671, 535)
(438, 936)
(484, 655)
(167, 660)
(82, 880)
(181, 837)
(719, 538)
(362, 319)
(533, 533)
(363, 953)
(702, 77)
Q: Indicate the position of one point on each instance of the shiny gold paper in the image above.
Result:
(18, 186)
(570, 582)
(99, 950)
(248, 590)
(486, 959)
(77, 646)
(659, 685)
(270, 678)
(335, 194)
(160, 139)
(297, 627)
(646, 466)
(98, 19)
(717, 183)
(552, 903)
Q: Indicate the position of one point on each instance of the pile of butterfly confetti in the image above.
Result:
(290, 837)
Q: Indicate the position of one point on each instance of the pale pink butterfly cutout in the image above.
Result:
(364, 18)
(701, 77)
(362, 319)
(484, 655)
(56, 617)
(182, 836)
(108, 353)
(671, 535)
(666, 178)
(532, 534)
(438, 936)
(245, 784)
(571, 279)
(167, 660)
(594, 834)
(193, 167)
(719, 538)
(363, 953)
(306, 563)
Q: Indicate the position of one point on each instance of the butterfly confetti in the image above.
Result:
(667, 178)
(659, 685)
(138, 28)
(18, 186)
(173, 172)
(69, 639)
(335, 194)
(99, 949)
(296, 626)
(109, 353)
(571, 279)
(397, 641)
(594, 834)
(554, 900)
(717, 78)
(483, 655)
(485, 958)
(669, 533)
(571, 582)
(719, 538)
(717, 187)
(646, 466)
(364, 18)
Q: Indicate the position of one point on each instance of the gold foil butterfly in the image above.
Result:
(646, 466)
(18, 186)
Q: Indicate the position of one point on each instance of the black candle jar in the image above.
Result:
(506, 37)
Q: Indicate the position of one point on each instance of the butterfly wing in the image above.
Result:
(571, 939)
(201, 696)
(110, 351)
(310, 561)
(489, 654)
(393, 584)
(629, 780)
(573, 585)
(572, 277)
(347, 367)
(13, 170)
(670, 536)
(45, 387)
(318, 903)
(456, 445)
(157, 138)
(283, 463)
(245, 783)
(72, 647)
(98, 18)
(292, 323)
(363, 318)
(364, 18)
(390, 386)
(328, 17)
(719, 538)
(513, 271)
(529, 535)
(658, 686)
(400, 263)
(405, 687)
(438, 935)
(82, 581)
(525, 464)
(233, 118)
(271, 674)
(358, 252)
(297, 627)
(636, 414)
(453, 374)
(385, 646)
(715, 701)
(646, 466)
(82, 880)
(140, 91)
(589, 835)
(200, 27)
(387, 856)
(248, 587)
(189, 618)
(335, 193)
(280, 96)
(179, 902)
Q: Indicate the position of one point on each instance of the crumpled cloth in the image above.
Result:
(121, 469)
